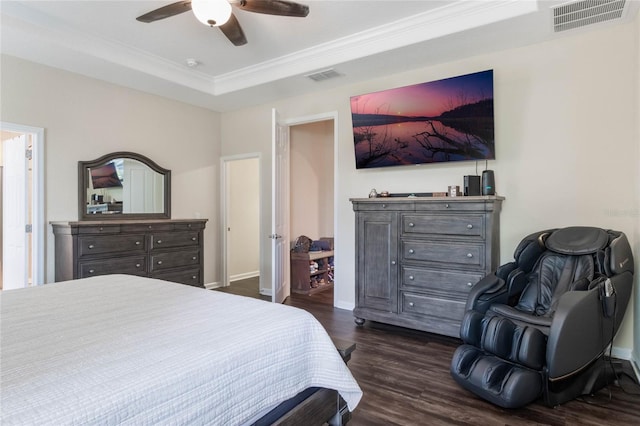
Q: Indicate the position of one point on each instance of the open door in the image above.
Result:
(15, 193)
(280, 288)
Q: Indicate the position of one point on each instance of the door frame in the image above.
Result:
(224, 207)
(38, 224)
(307, 119)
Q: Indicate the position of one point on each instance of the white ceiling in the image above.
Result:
(359, 39)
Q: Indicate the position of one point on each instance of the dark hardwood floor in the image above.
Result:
(404, 376)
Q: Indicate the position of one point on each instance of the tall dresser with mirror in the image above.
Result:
(125, 225)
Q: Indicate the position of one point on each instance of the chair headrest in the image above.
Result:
(530, 249)
(577, 240)
(620, 255)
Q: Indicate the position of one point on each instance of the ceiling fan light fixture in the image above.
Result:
(211, 12)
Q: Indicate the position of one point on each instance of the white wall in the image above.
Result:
(311, 171)
(636, 212)
(85, 118)
(566, 140)
(244, 219)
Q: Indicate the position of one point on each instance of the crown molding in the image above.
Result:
(446, 20)
(28, 23)
(22, 21)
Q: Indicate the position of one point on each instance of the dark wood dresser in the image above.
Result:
(168, 249)
(418, 258)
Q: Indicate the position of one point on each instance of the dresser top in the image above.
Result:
(124, 222)
(427, 199)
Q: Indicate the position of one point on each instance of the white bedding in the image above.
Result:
(119, 349)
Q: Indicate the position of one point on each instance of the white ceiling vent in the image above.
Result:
(586, 12)
(323, 75)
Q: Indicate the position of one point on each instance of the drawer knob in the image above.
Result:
(149, 226)
(469, 226)
(469, 255)
(159, 241)
(411, 277)
(137, 265)
(411, 304)
(193, 258)
(193, 277)
(91, 271)
(411, 251)
(384, 206)
(91, 246)
(446, 206)
(159, 262)
(189, 226)
(393, 262)
(411, 225)
(137, 243)
(193, 238)
(469, 284)
(101, 228)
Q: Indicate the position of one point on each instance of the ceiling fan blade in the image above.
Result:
(233, 31)
(165, 12)
(274, 7)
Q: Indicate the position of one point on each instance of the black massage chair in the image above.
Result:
(540, 326)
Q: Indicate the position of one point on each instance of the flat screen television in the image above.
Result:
(444, 120)
(105, 176)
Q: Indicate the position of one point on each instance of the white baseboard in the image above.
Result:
(213, 285)
(340, 304)
(266, 292)
(636, 367)
(244, 276)
(621, 353)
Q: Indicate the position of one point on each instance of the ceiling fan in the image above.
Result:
(217, 13)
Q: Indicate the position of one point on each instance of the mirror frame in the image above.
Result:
(83, 184)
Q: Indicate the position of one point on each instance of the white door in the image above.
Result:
(280, 274)
(142, 191)
(14, 212)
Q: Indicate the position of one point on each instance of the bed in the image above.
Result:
(119, 349)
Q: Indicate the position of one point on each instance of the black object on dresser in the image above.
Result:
(418, 258)
(166, 249)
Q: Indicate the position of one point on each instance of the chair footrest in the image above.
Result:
(500, 382)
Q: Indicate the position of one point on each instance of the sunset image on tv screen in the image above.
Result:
(443, 120)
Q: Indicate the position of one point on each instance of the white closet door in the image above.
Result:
(14, 212)
(280, 274)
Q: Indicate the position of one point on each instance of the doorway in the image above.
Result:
(241, 224)
(22, 210)
(324, 128)
(311, 194)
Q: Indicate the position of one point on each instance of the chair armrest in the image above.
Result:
(487, 291)
(578, 334)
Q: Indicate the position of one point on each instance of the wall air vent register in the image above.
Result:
(582, 13)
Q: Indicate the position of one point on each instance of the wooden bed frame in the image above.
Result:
(323, 406)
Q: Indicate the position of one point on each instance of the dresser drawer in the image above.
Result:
(459, 204)
(466, 254)
(132, 265)
(466, 225)
(188, 226)
(99, 244)
(99, 229)
(174, 259)
(184, 276)
(455, 284)
(147, 227)
(174, 239)
(440, 308)
(384, 205)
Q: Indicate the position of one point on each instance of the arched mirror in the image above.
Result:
(123, 185)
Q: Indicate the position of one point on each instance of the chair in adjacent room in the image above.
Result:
(540, 325)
